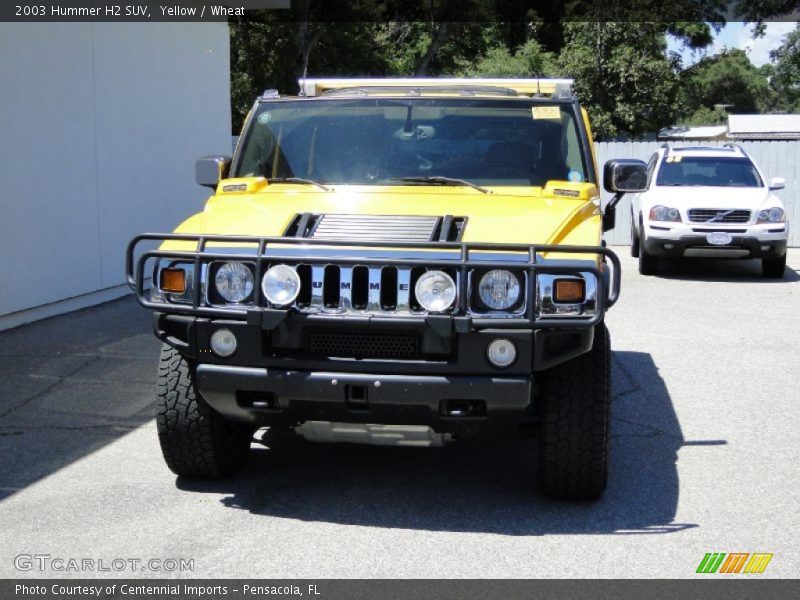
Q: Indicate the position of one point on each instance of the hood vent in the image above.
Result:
(377, 228)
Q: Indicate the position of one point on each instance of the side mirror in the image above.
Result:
(621, 176)
(777, 183)
(210, 170)
(625, 175)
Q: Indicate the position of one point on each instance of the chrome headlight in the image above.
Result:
(499, 289)
(435, 291)
(234, 282)
(281, 285)
(772, 215)
(665, 213)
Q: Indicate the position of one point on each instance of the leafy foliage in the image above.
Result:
(625, 77)
(785, 76)
(622, 75)
(726, 80)
(530, 60)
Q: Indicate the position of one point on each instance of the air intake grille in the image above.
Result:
(713, 215)
(377, 228)
(353, 344)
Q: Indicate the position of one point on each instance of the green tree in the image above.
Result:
(622, 74)
(729, 79)
(785, 76)
(530, 60)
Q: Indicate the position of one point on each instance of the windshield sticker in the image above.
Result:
(546, 112)
(265, 118)
(574, 176)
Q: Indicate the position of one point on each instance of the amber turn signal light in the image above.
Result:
(173, 281)
(569, 290)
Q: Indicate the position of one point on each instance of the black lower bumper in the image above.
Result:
(272, 378)
(443, 351)
(451, 404)
(740, 247)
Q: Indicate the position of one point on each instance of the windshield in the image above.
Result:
(708, 171)
(378, 141)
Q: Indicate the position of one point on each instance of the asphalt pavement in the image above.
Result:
(705, 455)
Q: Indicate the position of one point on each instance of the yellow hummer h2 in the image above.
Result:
(393, 261)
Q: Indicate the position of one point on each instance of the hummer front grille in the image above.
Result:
(360, 288)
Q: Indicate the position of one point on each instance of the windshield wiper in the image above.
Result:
(441, 180)
(298, 180)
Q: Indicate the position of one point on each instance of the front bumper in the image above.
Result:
(429, 368)
(271, 380)
(452, 404)
(686, 239)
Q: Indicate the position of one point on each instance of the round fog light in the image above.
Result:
(223, 343)
(281, 285)
(435, 291)
(501, 352)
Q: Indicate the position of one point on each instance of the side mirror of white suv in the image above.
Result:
(777, 183)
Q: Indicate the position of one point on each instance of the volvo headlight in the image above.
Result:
(772, 215)
(499, 289)
(281, 285)
(234, 282)
(435, 291)
(665, 213)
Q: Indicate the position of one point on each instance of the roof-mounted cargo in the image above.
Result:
(554, 88)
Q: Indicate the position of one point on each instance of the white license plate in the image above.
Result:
(719, 238)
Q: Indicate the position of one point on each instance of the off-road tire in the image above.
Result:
(648, 264)
(773, 268)
(196, 441)
(576, 404)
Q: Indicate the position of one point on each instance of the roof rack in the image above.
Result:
(724, 147)
(553, 88)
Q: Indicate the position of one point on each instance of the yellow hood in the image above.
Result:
(525, 215)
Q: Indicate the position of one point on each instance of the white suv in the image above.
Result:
(708, 202)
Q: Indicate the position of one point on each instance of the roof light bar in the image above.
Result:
(554, 88)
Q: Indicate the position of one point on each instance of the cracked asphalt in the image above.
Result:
(705, 457)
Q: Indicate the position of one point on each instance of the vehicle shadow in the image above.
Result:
(719, 270)
(476, 486)
(70, 385)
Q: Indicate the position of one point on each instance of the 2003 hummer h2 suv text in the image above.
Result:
(393, 261)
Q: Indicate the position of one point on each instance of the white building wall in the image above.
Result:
(100, 125)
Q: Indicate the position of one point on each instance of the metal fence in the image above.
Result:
(776, 159)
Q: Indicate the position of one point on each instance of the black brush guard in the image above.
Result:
(135, 269)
